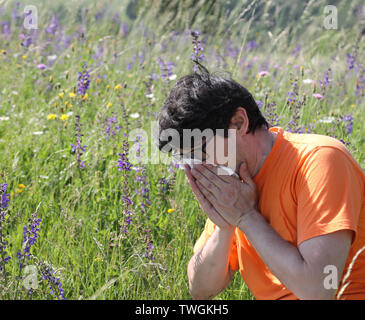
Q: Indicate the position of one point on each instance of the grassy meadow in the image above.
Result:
(72, 90)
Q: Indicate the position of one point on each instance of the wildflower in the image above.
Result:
(60, 95)
(263, 74)
(54, 284)
(19, 190)
(110, 126)
(134, 115)
(327, 120)
(84, 97)
(350, 60)
(41, 66)
(318, 96)
(71, 94)
(197, 48)
(123, 162)
(3, 118)
(37, 133)
(173, 77)
(52, 116)
(348, 119)
(4, 199)
(171, 210)
(24, 57)
(83, 81)
(64, 117)
(108, 86)
(118, 86)
(97, 259)
(77, 148)
(307, 81)
(150, 96)
(109, 104)
(149, 254)
(30, 235)
(21, 186)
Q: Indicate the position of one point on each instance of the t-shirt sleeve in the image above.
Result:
(330, 193)
(205, 235)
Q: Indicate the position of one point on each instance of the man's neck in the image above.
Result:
(265, 141)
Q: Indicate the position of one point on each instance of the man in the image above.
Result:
(294, 221)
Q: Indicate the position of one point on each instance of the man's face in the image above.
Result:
(216, 150)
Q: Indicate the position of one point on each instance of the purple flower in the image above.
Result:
(77, 148)
(83, 80)
(318, 96)
(123, 162)
(41, 66)
(30, 235)
(350, 60)
(197, 48)
(53, 25)
(54, 284)
(348, 119)
(149, 254)
(4, 199)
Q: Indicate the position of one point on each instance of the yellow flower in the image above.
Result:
(130, 75)
(64, 117)
(107, 86)
(66, 103)
(60, 95)
(19, 190)
(70, 106)
(171, 210)
(109, 104)
(71, 94)
(11, 194)
(3, 51)
(97, 259)
(118, 86)
(352, 106)
(21, 186)
(52, 116)
(84, 97)
(50, 78)
(24, 57)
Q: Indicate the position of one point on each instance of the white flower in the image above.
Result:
(3, 118)
(134, 115)
(327, 120)
(150, 96)
(70, 113)
(172, 77)
(52, 57)
(44, 177)
(38, 133)
(308, 81)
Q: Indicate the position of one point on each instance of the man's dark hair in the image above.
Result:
(202, 100)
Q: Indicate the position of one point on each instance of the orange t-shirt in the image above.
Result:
(309, 185)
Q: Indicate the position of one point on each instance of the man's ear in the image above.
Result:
(239, 121)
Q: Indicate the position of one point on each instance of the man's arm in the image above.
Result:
(208, 269)
(300, 269)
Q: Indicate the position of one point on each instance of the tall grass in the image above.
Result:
(81, 234)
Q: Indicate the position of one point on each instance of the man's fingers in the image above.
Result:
(207, 183)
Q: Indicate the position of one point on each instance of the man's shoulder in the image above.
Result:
(312, 141)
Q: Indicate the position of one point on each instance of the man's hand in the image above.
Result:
(224, 197)
(204, 203)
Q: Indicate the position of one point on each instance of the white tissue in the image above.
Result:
(228, 170)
